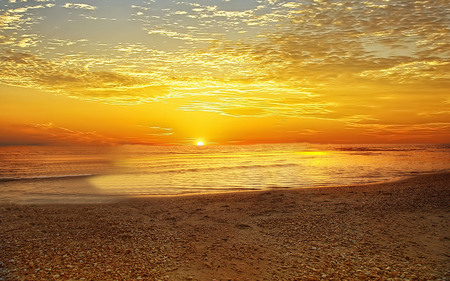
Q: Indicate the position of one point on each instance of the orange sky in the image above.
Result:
(224, 71)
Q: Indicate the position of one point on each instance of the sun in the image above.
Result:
(200, 143)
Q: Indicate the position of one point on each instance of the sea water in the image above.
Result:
(35, 174)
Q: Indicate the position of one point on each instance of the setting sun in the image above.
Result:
(200, 143)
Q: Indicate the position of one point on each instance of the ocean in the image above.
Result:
(64, 174)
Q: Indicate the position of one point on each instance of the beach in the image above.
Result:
(389, 231)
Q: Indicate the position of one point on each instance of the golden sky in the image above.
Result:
(224, 71)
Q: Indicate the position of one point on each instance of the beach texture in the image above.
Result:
(390, 231)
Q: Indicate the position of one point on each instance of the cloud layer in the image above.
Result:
(328, 60)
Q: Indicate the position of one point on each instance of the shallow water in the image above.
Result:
(33, 174)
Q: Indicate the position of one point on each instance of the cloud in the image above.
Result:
(26, 70)
(79, 6)
(412, 71)
(11, 20)
(51, 133)
(14, 18)
(407, 132)
(410, 125)
(158, 131)
(28, 40)
(262, 107)
(333, 60)
(177, 35)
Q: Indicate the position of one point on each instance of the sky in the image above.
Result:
(173, 72)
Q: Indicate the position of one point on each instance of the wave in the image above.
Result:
(5, 179)
(144, 172)
(220, 168)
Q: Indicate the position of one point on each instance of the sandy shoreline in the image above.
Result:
(389, 231)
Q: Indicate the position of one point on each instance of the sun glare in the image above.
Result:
(200, 143)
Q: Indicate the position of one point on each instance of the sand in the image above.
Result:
(390, 231)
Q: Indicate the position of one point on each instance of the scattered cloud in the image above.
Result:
(55, 134)
(262, 107)
(60, 135)
(26, 70)
(413, 71)
(331, 60)
(79, 6)
(398, 132)
(158, 131)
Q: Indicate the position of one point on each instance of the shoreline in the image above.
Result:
(245, 190)
(396, 230)
(99, 197)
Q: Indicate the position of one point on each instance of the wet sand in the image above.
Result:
(390, 231)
